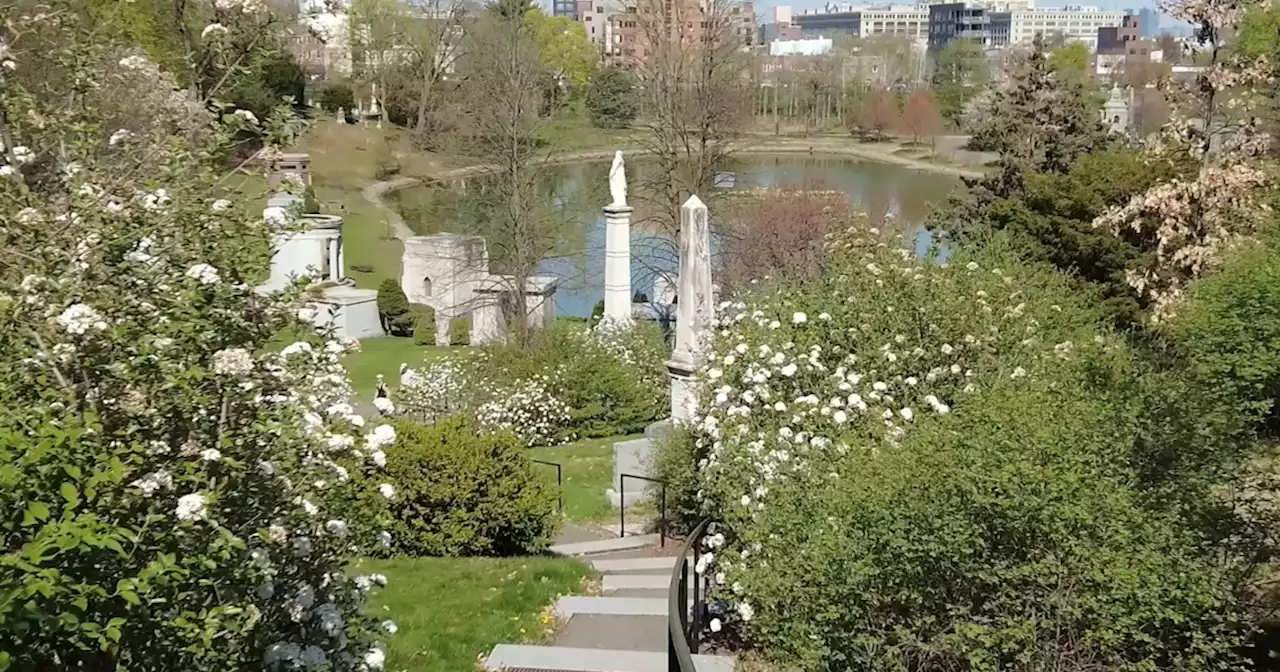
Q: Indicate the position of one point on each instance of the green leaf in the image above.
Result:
(70, 494)
(39, 510)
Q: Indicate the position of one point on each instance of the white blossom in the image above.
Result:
(213, 28)
(384, 405)
(206, 274)
(79, 318)
(192, 507)
(387, 490)
(153, 481)
(233, 362)
(220, 205)
(121, 135)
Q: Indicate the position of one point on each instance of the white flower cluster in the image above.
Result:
(527, 409)
(786, 399)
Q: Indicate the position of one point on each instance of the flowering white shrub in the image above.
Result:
(528, 410)
(166, 476)
(892, 453)
(571, 383)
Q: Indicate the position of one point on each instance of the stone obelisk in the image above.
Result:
(617, 247)
(695, 311)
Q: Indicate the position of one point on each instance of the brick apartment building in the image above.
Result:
(686, 22)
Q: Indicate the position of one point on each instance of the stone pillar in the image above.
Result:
(335, 259)
(695, 311)
(617, 264)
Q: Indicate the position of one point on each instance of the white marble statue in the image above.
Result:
(618, 181)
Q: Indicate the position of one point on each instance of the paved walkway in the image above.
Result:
(622, 630)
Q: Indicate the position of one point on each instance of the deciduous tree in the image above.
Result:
(920, 116)
(879, 113)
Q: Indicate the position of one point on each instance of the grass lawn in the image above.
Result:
(384, 356)
(452, 610)
(587, 468)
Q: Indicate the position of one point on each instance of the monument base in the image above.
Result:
(635, 458)
(683, 390)
(351, 312)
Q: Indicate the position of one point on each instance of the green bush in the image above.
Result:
(931, 467)
(393, 309)
(459, 493)
(424, 328)
(337, 95)
(1228, 333)
(460, 330)
(597, 311)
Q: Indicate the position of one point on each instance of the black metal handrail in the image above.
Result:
(684, 629)
(622, 507)
(559, 483)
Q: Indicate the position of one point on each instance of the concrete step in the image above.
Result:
(572, 605)
(623, 633)
(605, 545)
(641, 564)
(614, 582)
(654, 594)
(566, 659)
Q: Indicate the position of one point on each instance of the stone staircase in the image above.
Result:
(623, 630)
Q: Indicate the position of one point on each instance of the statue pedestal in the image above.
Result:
(617, 264)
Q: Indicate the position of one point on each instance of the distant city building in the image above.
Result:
(828, 24)
(591, 14)
(685, 21)
(954, 21)
(1114, 40)
(815, 47)
(1149, 22)
(909, 21)
(1074, 23)
(1001, 26)
(324, 47)
(990, 23)
(565, 8)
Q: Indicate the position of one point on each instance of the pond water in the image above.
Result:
(580, 190)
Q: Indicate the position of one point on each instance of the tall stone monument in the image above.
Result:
(1117, 111)
(695, 310)
(617, 247)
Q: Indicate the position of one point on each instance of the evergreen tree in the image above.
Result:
(612, 100)
(1041, 120)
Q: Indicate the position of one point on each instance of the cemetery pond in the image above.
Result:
(575, 194)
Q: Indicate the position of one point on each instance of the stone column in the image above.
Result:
(617, 264)
(335, 259)
(695, 311)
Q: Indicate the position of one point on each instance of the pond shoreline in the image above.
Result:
(816, 147)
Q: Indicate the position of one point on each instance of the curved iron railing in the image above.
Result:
(683, 628)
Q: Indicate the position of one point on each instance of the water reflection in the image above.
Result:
(578, 191)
